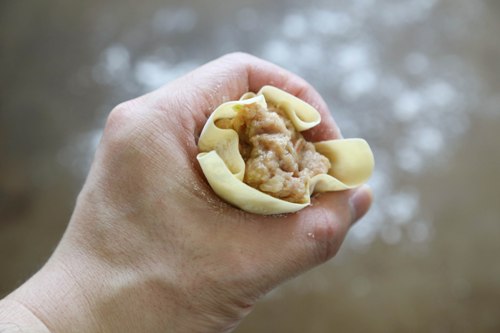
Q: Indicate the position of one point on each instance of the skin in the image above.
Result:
(150, 248)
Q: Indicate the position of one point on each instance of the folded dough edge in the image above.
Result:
(222, 164)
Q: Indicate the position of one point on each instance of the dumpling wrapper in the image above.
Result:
(351, 159)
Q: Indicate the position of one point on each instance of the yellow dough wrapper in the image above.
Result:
(223, 165)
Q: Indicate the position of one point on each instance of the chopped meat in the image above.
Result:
(279, 161)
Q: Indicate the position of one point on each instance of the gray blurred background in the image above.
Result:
(420, 80)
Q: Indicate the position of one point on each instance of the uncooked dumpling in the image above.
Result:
(254, 157)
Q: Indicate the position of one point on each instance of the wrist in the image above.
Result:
(55, 299)
(82, 294)
(16, 317)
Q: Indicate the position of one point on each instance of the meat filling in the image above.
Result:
(279, 161)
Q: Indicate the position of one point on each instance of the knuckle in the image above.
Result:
(241, 58)
(238, 55)
(120, 123)
(328, 235)
(119, 116)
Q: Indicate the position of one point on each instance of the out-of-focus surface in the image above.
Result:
(419, 79)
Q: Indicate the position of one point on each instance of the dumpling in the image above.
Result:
(254, 156)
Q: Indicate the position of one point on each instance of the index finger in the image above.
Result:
(229, 77)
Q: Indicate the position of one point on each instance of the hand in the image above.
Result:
(150, 248)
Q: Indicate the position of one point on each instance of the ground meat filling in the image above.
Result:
(278, 160)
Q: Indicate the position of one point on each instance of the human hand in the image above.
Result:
(150, 248)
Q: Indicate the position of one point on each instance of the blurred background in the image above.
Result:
(419, 79)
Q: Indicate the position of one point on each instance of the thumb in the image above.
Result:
(328, 221)
(315, 234)
(360, 202)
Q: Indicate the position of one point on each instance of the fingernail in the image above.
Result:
(360, 202)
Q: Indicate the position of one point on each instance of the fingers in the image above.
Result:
(297, 241)
(230, 76)
(314, 234)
